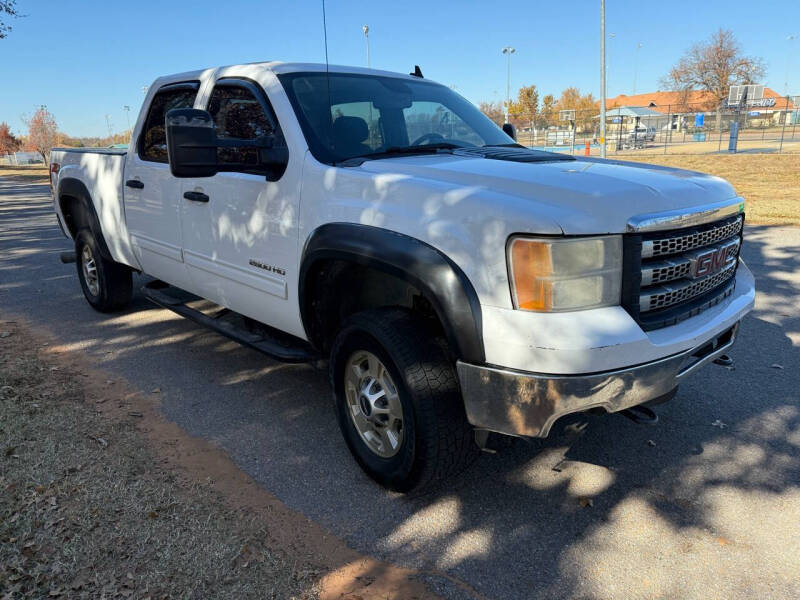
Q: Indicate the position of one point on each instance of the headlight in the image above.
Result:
(554, 275)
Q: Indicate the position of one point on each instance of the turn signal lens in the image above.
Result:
(552, 275)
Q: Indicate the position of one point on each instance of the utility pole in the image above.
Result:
(365, 29)
(508, 51)
(603, 78)
(636, 65)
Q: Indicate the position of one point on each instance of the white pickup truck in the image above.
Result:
(457, 282)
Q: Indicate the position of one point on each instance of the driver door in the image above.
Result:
(239, 229)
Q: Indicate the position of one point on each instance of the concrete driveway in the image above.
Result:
(704, 504)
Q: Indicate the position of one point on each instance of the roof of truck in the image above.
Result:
(288, 67)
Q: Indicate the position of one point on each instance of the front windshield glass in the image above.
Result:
(370, 115)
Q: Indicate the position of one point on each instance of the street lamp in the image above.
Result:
(365, 29)
(611, 37)
(789, 40)
(603, 78)
(127, 110)
(508, 51)
(636, 65)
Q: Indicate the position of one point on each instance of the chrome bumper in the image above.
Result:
(527, 404)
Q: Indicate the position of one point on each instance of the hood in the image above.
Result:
(584, 196)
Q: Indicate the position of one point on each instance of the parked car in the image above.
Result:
(640, 133)
(455, 282)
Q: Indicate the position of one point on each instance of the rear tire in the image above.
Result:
(107, 285)
(416, 395)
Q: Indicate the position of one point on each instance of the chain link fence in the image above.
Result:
(767, 125)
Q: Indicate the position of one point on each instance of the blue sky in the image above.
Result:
(85, 59)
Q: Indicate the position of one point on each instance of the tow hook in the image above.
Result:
(641, 415)
(723, 360)
(68, 257)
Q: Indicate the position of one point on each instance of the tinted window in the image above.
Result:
(153, 140)
(238, 114)
(355, 115)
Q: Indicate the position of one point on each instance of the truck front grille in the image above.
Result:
(673, 275)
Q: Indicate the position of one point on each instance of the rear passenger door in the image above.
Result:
(152, 194)
(240, 237)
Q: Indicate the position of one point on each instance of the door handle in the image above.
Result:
(196, 196)
(134, 183)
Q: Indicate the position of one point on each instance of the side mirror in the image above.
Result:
(510, 130)
(191, 143)
(195, 151)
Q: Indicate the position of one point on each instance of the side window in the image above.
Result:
(238, 114)
(153, 139)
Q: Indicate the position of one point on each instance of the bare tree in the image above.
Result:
(42, 133)
(8, 8)
(493, 110)
(714, 66)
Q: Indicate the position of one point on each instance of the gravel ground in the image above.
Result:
(705, 504)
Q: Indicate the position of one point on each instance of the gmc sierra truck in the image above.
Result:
(456, 282)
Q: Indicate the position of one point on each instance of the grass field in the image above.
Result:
(24, 173)
(769, 182)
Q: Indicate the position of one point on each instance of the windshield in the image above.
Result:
(370, 115)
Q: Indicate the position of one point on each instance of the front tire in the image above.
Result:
(398, 401)
(107, 285)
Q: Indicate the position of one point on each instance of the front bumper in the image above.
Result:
(527, 404)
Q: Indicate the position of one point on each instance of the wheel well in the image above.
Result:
(336, 289)
(75, 214)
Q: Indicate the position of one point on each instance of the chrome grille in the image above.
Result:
(669, 295)
(673, 262)
(682, 243)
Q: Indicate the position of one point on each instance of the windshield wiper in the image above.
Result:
(400, 151)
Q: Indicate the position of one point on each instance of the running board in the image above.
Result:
(265, 339)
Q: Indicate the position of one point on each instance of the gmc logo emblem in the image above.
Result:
(707, 261)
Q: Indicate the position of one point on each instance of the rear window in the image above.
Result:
(153, 139)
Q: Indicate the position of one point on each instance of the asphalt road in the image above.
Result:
(704, 504)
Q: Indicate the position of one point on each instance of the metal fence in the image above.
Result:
(21, 158)
(765, 126)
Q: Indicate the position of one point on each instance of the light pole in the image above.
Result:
(789, 40)
(603, 78)
(108, 124)
(365, 29)
(636, 65)
(127, 110)
(508, 51)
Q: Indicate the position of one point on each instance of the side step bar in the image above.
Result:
(269, 341)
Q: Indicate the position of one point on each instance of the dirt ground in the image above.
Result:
(104, 498)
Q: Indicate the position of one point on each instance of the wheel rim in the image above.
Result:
(90, 271)
(374, 404)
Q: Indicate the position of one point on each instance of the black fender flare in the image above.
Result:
(75, 188)
(438, 278)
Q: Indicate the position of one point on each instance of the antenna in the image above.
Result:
(328, 74)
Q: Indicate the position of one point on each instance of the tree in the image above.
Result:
(8, 8)
(714, 66)
(526, 106)
(548, 110)
(493, 110)
(8, 143)
(42, 133)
